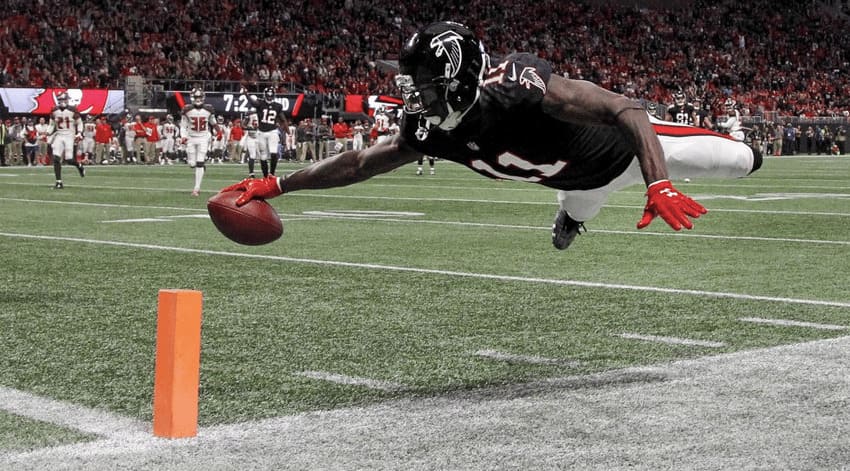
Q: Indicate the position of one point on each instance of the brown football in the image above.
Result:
(254, 223)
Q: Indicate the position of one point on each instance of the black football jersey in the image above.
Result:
(507, 135)
(268, 114)
(682, 114)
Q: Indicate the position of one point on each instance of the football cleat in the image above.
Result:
(196, 193)
(565, 230)
(82, 171)
(58, 186)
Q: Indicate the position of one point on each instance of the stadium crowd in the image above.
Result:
(783, 55)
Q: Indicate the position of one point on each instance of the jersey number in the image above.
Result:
(63, 122)
(199, 123)
(269, 116)
(508, 160)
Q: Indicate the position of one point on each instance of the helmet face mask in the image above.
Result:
(440, 68)
(62, 100)
(197, 98)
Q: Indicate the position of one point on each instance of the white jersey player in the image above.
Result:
(290, 142)
(129, 139)
(250, 142)
(382, 125)
(195, 128)
(65, 127)
(87, 145)
(168, 134)
(732, 125)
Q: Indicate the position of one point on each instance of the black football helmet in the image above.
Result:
(679, 98)
(440, 69)
(268, 94)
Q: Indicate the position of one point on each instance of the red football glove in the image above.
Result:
(255, 188)
(672, 205)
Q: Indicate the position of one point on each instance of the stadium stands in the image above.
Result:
(785, 56)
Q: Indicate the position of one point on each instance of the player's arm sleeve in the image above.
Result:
(582, 102)
(352, 166)
(184, 125)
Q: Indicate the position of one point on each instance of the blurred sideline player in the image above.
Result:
(196, 125)
(169, 134)
(421, 161)
(269, 118)
(382, 125)
(249, 143)
(732, 123)
(518, 120)
(65, 127)
(88, 144)
(681, 112)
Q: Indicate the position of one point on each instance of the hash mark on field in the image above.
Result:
(787, 323)
(353, 381)
(532, 359)
(673, 340)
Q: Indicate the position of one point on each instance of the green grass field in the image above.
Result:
(402, 280)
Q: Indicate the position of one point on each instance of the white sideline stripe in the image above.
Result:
(532, 359)
(672, 340)
(101, 205)
(352, 380)
(486, 276)
(73, 416)
(395, 198)
(221, 435)
(595, 231)
(787, 323)
(303, 216)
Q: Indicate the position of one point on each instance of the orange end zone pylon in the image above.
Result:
(178, 361)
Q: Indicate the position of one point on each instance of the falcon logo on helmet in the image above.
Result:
(440, 69)
(448, 44)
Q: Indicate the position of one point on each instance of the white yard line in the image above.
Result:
(309, 216)
(417, 199)
(530, 359)
(353, 380)
(787, 323)
(529, 419)
(486, 276)
(73, 416)
(672, 340)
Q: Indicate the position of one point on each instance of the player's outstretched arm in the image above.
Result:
(340, 170)
(582, 102)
